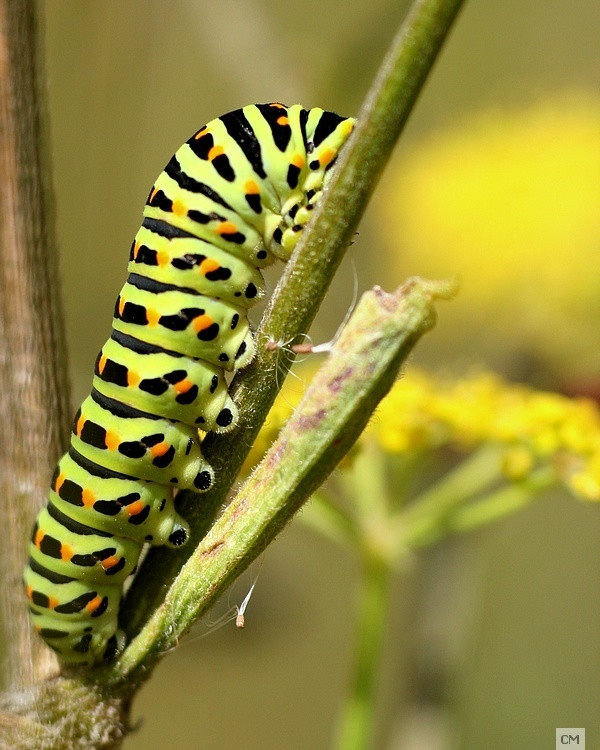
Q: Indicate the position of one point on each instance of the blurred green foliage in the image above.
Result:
(512, 614)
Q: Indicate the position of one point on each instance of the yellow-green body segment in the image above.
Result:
(232, 199)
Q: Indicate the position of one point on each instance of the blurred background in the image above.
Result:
(496, 180)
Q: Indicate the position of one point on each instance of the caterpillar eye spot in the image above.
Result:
(179, 322)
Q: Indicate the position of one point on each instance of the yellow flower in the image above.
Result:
(536, 427)
(509, 201)
(586, 482)
(423, 413)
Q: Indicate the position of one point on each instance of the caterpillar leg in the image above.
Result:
(139, 444)
(77, 621)
(122, 505)
(169, 385)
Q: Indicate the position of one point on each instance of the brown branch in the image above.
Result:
(34, 394)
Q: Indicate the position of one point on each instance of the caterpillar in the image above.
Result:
(232, 199)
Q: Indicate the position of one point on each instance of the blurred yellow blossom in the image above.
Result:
(287, 400)
(510, 201)
(535, 426)
(423, 413)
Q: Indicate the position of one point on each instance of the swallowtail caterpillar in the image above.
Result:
(234, 198)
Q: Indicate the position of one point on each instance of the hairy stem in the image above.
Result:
(359, 371)
(305, 281)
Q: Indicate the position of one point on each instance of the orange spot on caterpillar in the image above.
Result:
(152, 316)
(121, 306)
(132, 378)
(29, 592)
(66, 552)
(215, 151)
(134, 508)
(226, 227)
(202, 322)
(283, 120)
(112, 440)
(101, 364)
(162, 258)
(59, 482)
(88, 498)
(53, 602)
(208, 265)
(297, 161)
(39, 535)
(277, 105)
(251, 188)
(183, 386)
(326, 156)
(94, 604)
(79, 425)
(178, 208)
(136, 249)
(110, 562)
(201, 132)
(159, 449)
(152, 194)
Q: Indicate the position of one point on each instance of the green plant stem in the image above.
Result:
(359, 371)
(366, 483)
(326, 518)
(470, 477)
(475, 514)
(356, 720)
(306, 279)
(502, 503)
(442, 511)
(304, 282)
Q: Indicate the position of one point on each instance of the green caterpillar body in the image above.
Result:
(232, 199)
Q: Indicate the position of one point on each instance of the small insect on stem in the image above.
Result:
(308, 348)
(240, 620)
